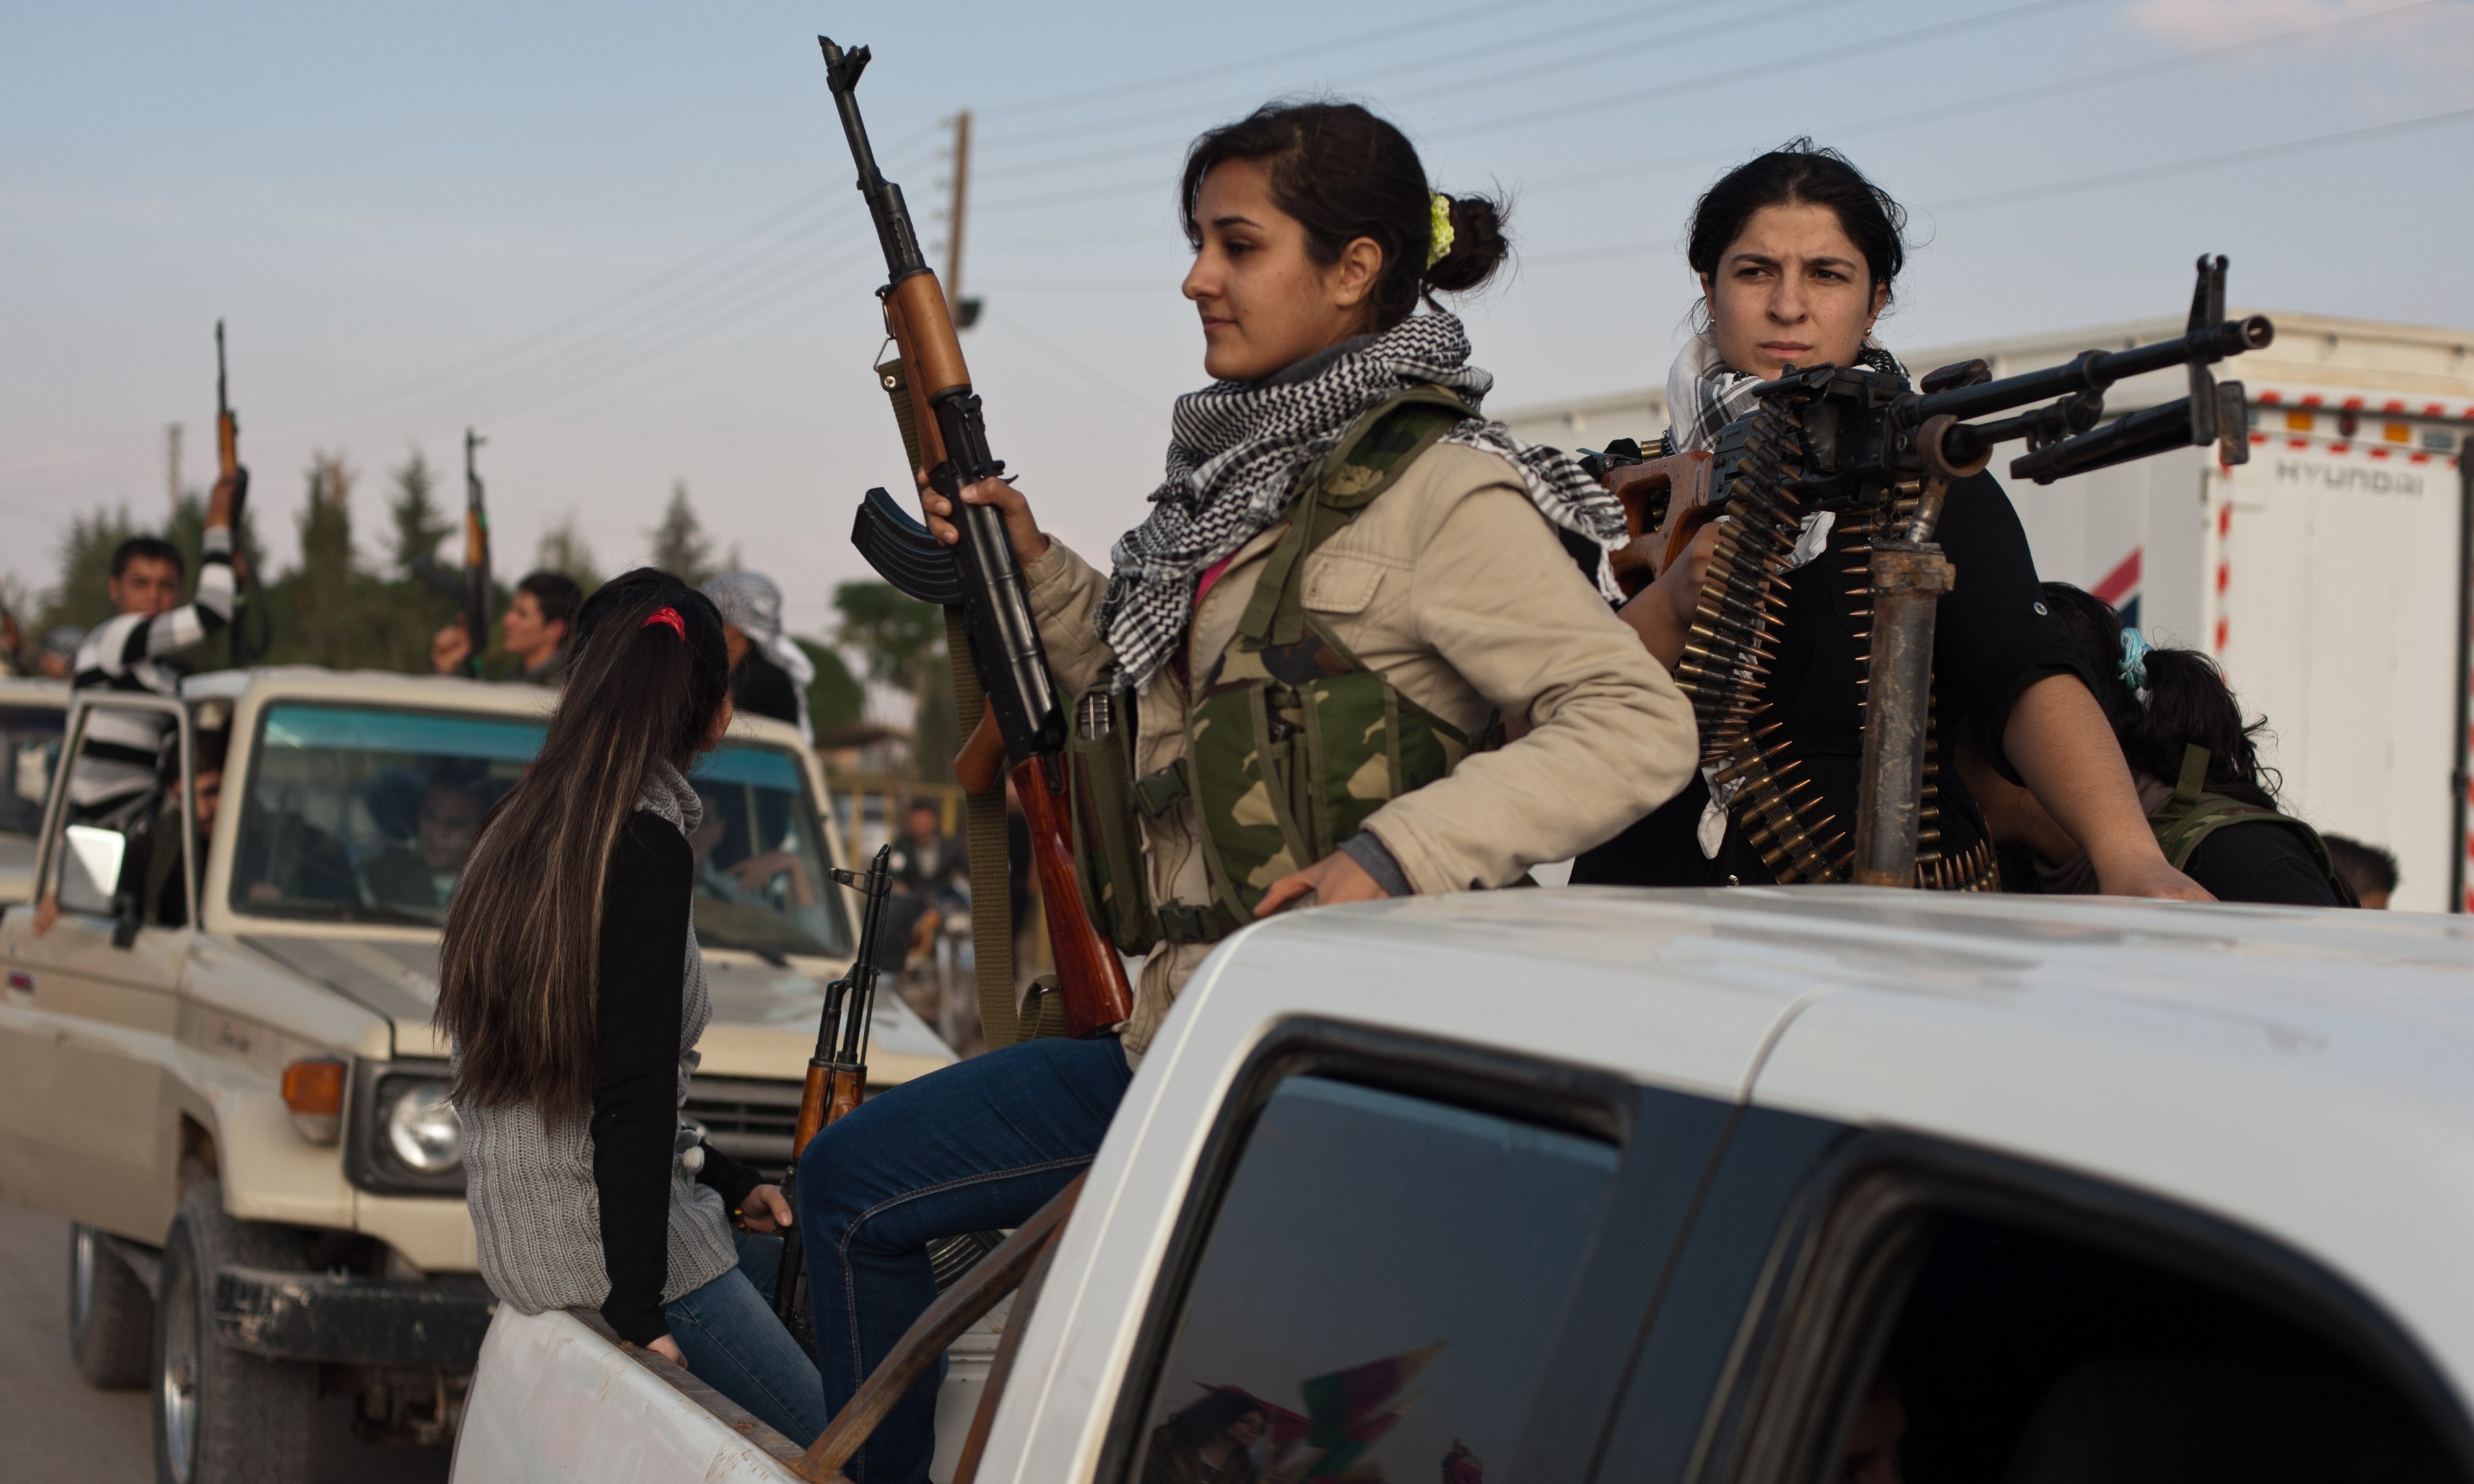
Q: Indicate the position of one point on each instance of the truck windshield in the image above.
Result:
(363, 814)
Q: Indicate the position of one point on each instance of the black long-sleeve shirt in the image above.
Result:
(1992, 639)
(645, 906)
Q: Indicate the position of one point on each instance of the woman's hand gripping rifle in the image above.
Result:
(947, 436)
(838, 1073)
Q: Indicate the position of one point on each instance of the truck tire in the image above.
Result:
(111, 1316)
(222, 1416)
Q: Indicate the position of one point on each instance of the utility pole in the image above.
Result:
(172, 465)
(966, 311)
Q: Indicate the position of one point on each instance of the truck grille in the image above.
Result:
(748, 1119)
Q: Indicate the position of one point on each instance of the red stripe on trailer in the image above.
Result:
(2435, 410)
(2270, 398)
(2377, 453)
(2392, 406)
(2225, 577)
(2225, 519)
(2353, 404)
(2312, 399)
(2421, 458)
(2297, 442)
(2119, 581)
(2221, 636)
(2259, 438)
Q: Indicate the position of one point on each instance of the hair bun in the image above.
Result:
(1479, 246)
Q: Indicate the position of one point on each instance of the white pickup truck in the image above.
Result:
(1755, 1185)
(227, 1077)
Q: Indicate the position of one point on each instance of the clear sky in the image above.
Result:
(619, 238)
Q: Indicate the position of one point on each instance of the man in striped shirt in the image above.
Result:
(123, 753)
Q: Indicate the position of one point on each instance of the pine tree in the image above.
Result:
(562, 549)
(680, 546)
(420, 525)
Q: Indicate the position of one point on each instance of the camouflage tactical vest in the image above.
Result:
(1292, 743)
(2193, 814)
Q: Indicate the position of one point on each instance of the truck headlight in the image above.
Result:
(401, 1135)
(420, 1128)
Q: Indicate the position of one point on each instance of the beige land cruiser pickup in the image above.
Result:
(31, 713)
(227, 1077)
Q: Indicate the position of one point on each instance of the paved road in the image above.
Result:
(59, 1431)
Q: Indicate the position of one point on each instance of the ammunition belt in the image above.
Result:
(1727, 663)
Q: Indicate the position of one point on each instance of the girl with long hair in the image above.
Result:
(571, 987)
(2194, 759)
(1346, 563)
(1796, 255)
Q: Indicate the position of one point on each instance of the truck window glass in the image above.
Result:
(366, 814)
(2025, 1357)
(1377, 1291)
(29, 749)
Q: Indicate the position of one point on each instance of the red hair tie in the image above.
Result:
(670, 617)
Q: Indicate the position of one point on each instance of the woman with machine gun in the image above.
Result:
(1284, 692)
(1797, 254)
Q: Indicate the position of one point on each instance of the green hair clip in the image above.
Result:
(1438, 238)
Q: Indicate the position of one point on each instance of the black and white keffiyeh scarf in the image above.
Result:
(1704, 393)
(1235, 449)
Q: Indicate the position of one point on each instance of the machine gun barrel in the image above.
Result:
(2095, 370)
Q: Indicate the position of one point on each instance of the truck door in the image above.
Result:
(1405, 1261)
(88, 1127)
(1864, 1307)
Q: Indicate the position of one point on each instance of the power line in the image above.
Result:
(1959, 108)
(2076, 185)
(2309, 146)
(1494, 76)
(1323, 47)
(1768, 68)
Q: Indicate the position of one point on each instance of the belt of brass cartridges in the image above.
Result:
(1726, 670)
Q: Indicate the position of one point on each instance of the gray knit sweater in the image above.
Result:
(536, 1212)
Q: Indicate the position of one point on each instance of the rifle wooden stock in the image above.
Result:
(227, 444)
(1090, 974)
(815, 1103)
(1655, 493)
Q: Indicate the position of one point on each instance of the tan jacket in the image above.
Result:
(1454, 587)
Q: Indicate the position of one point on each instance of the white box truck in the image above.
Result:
(2330, 575)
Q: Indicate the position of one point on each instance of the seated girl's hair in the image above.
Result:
(518, 968)
(1347, 174)
(2183, 700)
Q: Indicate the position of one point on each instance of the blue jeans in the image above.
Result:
(976, 1146)
(737, 1344)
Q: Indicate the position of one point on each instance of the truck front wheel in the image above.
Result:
(111, 1316)
(222, 1416)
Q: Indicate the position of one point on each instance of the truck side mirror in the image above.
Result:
(90, 862)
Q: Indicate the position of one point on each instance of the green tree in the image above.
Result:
(419, 524)
(902, 642)
(562, 549)
(83, 596)
(680, 546)
(835, 698)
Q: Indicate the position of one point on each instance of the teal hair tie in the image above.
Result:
(2134, 660)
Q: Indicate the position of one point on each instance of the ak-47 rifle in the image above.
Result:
(1863, 442)
(245, 648)
(978, 582)
(469, 583)
(838, 1073)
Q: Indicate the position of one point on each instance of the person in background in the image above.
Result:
(58, 660)
(534, 628)
(2371, 872)
(425, 875)
(573, 1000)
(924, 857)
(769, 673)
(2196, 764)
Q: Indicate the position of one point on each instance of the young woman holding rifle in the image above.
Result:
(573, 997)
(1341, 547)
(1796, 252)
